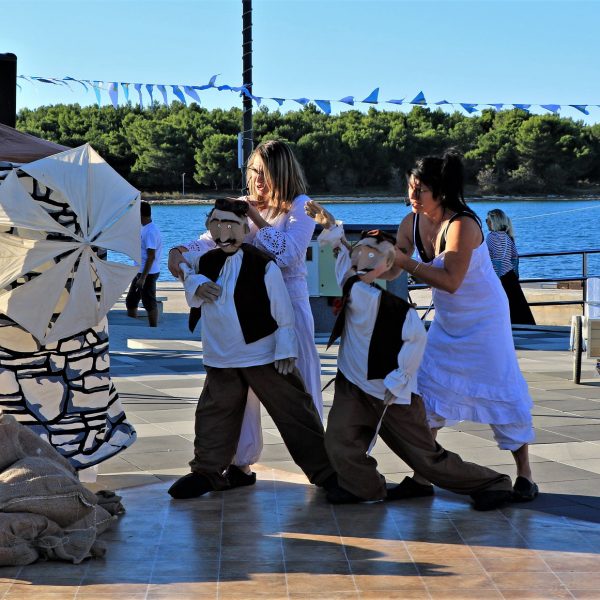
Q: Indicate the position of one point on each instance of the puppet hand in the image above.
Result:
(388, 397)
(208, 292)
(323, 217)
(175, 258)
(285, 365)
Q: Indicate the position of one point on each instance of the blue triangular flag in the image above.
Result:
(372, 97)
(581, 108)
(113, 93)
(524, 107)
(303, 101)
(279, 101)
(324, 105)
(125, 87)
(496, 106)
(161, 88)
(45, 80)
(348, 100)
(400, 101)
(553, 108)
(419, 99)
(96, 86)
(178, 93)
(138, 89)
(440, 102)
(191, 93)
(150, 90)
(470, 108)
(212, 80)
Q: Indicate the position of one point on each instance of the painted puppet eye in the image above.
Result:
(371, 255)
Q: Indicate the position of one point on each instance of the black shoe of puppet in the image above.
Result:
(339, 495)
(191, 485)
(524, 490)
(489, 500)
(409, 488)
(237, 477)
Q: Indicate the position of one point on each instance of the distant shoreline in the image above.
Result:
(203, 199)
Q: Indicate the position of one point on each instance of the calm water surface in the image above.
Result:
(540, 226)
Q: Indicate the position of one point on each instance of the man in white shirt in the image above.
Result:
(143, 286)
(248, 340)
(382, 343)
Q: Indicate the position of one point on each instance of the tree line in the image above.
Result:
(508, 151)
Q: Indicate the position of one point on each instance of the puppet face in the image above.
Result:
(227, 230)
(372, 259)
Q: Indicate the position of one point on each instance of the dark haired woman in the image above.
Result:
(505, 260)
(279, 226)
(469, 370)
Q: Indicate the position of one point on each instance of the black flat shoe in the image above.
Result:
(237, 477)
(191, 485)
(489, 500)
(339, 495)
(524, 490)
(409, 488)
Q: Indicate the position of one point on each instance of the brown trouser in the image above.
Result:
(221, 409)
(351, 426)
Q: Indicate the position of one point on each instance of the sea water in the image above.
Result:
(548, 225)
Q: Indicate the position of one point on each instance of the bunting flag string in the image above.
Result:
(179, 92)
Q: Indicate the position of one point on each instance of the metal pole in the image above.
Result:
(247, 128)
(8, 89)
(577, 348)
(183, 184)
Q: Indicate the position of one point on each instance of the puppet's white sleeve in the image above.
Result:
(333, 237)
(414, 337)
(191, 279)
(286, 345)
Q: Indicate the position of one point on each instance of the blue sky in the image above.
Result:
(479, 51)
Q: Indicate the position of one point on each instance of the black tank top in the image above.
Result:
(419, 242)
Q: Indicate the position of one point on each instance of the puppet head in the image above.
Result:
(373, 255)
(228, 224)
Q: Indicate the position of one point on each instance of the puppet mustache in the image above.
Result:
(225, 242)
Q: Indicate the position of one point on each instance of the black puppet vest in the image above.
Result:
(250, 295)
(386, 340)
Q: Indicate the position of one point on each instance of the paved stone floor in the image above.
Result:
(280, 539)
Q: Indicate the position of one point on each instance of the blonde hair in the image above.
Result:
(283, 174)
(498, 220)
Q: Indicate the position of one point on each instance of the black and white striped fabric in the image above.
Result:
(503, 252)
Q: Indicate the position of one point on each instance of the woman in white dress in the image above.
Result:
(469, 370)
(279, 226)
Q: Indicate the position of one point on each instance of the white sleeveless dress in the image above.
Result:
(470, 370)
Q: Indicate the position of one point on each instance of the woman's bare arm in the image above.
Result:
(464, 235)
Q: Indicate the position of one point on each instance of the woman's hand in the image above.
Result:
(175, 258)
(254, 208)
(323, 217)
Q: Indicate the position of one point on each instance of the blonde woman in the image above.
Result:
(279, 226)
(505, 260)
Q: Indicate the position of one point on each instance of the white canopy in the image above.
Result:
(107, 211)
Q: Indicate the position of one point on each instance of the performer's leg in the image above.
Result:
(295, 416)
(351, 426)
(217, 428)
(406, 431)
(133, 298)
(149, 299)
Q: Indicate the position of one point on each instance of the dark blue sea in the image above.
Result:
(540, 226)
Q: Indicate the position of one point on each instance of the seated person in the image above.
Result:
(382, 342)
(248, 340)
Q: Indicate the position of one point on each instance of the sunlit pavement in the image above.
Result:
(280, 538)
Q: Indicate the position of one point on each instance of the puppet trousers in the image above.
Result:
(351, 426)
(220, 412)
